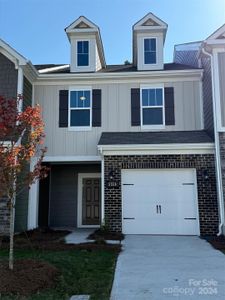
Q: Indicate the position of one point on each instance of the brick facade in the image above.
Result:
(206, 181)
(222, 157)
(4, 217)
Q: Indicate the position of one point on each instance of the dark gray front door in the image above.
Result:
(91, 201)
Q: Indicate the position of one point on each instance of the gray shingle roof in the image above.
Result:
(116, 68)
(161, 137)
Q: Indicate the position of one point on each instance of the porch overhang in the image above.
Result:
(155, 143)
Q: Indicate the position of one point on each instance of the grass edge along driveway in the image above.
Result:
(82, 272)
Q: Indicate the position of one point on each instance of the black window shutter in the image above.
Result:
(96, 108)
(135, 107)
(169, 106)
(63, 108)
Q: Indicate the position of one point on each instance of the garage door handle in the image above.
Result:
(158, 209)
(128, 218)
(189, 218)
(128, 184)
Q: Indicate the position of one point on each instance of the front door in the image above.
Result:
(91, 195)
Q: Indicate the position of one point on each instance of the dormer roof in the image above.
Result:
(152, 23)
(218, 34)
(83, 25)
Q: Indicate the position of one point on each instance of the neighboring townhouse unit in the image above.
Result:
(126, 143)
(16, 75)
(210, 55)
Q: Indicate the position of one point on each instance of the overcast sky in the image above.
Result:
(35, 28)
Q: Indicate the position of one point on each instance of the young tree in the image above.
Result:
(21, 138)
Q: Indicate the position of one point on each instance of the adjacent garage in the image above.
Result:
(160, 201)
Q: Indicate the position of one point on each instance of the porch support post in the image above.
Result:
(32, 220)
(102, 192)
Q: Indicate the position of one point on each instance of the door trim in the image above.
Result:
(80, 197)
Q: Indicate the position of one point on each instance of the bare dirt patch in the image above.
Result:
(51, 240)
(218, 242)
(106, 235)
(28, 277)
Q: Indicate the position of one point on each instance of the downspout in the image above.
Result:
(217, 149)
(20, 87)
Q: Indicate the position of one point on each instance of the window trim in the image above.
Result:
(156, 53)
(80, 128)
(89, 43)
(152, 126)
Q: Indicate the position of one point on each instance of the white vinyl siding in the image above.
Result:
(116, 114)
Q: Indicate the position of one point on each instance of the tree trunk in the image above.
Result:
(11, 232)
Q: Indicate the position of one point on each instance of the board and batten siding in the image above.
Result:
(221, 63)
(116, 115)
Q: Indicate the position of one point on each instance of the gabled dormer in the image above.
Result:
(87, 54)
(216, 40)
(148, 41)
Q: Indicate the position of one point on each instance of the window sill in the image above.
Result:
(79, 128)
(153, 127)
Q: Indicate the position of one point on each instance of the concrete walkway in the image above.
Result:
(168, 267)
(79, 236)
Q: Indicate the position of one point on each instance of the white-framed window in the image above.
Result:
(80, 108)
(82, 53)
(152, 107)
(150, 47)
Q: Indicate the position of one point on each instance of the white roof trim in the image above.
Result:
(42, 78)
(71, 27)
(216, 34)
(71, 158)
(157, 149)
(139, 24)
(47, 70)
(158, 146)
(12, 54)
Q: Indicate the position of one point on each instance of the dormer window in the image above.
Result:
(150, 51)
(82, 53)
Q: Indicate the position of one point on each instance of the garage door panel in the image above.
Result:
(159, 202)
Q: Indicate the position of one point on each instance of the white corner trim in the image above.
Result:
(65, 158)
(102, 191)
(80, 197)
(33, 201)
(157, 149)
(216, 83)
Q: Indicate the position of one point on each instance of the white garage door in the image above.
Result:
(160, 202)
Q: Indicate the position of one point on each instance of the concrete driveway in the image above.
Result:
(168, 267)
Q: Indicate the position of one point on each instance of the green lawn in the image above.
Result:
(82, 272)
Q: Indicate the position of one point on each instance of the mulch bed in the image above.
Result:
(105, 235)
(28, 276)
(218, 242)
(52, 240)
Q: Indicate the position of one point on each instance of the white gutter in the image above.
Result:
(217, 149)
(177, 146)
